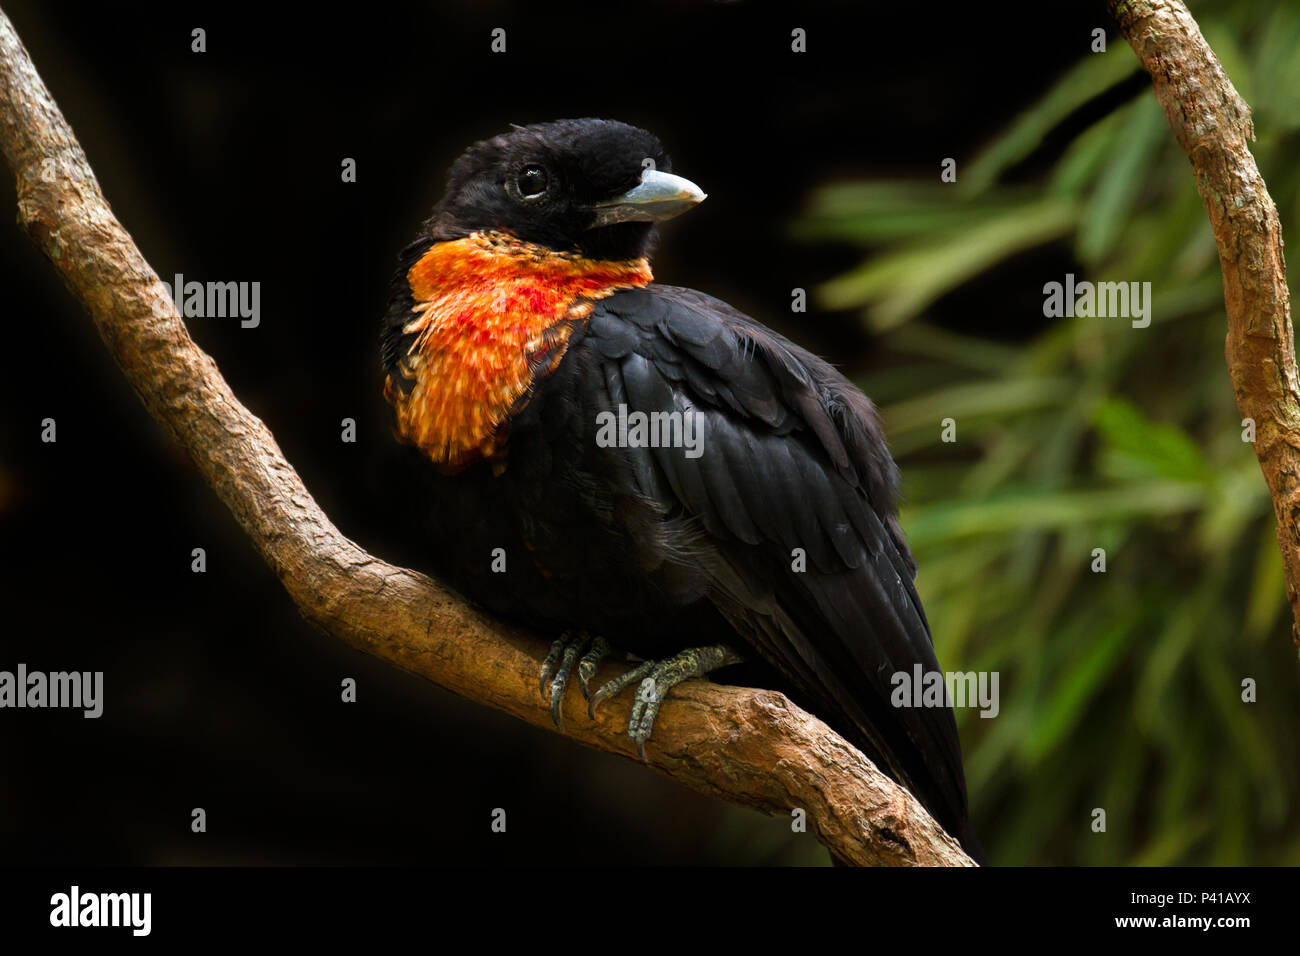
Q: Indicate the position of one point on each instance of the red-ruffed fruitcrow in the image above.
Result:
(621, 463)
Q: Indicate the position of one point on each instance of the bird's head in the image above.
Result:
(535, 226)
(587, 186)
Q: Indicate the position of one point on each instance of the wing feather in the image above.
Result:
(793, 458)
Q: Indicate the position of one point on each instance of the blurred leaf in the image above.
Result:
(1085, 157)
(971, 401)
(871, 213)
(898, 285)
(1267, 589)
(1277, 61)
(953, 519)
(1119, 688)
(921, 338)
(1143, 132)
(1090, 77)
(1173, 844)
(1136, 447)
(1068, 699)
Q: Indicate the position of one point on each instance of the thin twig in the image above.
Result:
(1212, 124)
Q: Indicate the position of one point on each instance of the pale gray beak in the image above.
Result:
(657, 197)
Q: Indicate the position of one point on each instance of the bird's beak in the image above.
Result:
(657, 197)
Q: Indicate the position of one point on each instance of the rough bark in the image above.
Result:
(749, 747)
(1213, 125)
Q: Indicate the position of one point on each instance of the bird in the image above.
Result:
(641, 470)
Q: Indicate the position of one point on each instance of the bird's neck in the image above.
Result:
(493, 316)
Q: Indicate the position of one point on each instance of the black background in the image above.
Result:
(225, 165)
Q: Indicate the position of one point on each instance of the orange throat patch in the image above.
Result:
(493, 317)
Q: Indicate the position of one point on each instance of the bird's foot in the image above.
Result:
(656, 679)
(559, 664)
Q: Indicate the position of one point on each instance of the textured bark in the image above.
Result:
(752, 748)
(1212, 124)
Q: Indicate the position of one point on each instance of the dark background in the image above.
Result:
(225, 166)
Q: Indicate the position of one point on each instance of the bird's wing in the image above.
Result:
(791, 457)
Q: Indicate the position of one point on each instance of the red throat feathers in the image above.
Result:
(493, 316)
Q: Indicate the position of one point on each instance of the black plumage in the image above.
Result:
(659, 551)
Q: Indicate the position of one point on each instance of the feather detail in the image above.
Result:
(493, 316)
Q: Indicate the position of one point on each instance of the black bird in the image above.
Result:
(615, 461)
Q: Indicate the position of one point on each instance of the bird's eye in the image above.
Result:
(532, 181)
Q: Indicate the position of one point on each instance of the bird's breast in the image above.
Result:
(492, 318)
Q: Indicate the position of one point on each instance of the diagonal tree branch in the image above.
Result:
(752, 748)
(1212, 124)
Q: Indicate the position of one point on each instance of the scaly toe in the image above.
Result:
(644, 711)
(590, 663)
(663, 676)
(612, 687)
(549, 663)
(561, 683)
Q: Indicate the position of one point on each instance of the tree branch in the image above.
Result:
(1212, 124)
(749, 747)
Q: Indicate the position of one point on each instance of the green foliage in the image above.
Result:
(1120, 689)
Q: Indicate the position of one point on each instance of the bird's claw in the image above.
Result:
(612, 687)
(558, 667)
(590, 663)
(656, 679)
